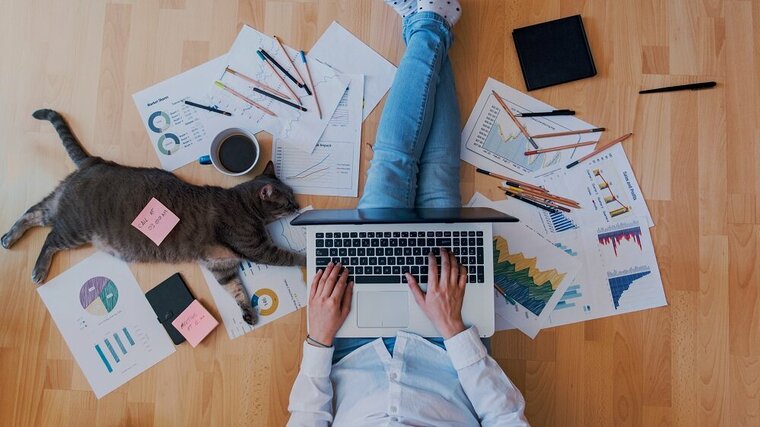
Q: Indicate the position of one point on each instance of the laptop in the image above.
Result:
(378, 245)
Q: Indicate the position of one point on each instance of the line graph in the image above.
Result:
(329, 165)
(311, 170)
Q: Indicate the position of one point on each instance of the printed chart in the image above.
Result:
(106, 321)
(531, 276)
(99, 295)
(621, 281)
(273, 291)
(622, 232)
(491, 140)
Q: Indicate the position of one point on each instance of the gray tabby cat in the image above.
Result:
(218, 227)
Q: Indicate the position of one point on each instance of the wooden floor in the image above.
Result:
(695, 154)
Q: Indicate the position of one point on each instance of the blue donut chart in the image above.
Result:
(169, 147)
(162, 127)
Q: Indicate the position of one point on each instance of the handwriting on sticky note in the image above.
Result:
(155, 221)
(195, 323)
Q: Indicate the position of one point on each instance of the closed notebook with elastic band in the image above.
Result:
(554, 52)
(169, 299)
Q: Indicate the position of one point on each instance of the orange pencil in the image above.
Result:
(285, 52)
(271, 67)
(600, 149)
(311, 83)
(242, 97)
(514, 119)
(569, 132)
(560, 147)
(257, 83)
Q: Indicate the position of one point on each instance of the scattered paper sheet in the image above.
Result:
(333, 168)
(180, 133)
(605, 186)
(294, 127)
(106, 321)
(619, 275)
(344, 52)
(492, 141)
(274, 291)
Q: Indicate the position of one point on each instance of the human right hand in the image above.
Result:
(442, 303)
(329, 302)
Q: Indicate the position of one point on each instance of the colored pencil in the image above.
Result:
(207, 108)
(257, 83)
(563, 112)
(558, 148)
(502, 293)
(511, 181)
(547, 198)
(274, 71)
(514, 119)
(242, 97)
(570, 132)
(600, 149)
(285, 52)
(280, 67)
(530, 202)
(311, 82)
(277, 98)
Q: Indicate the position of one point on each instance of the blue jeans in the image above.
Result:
(416, 151)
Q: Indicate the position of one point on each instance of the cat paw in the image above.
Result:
(6, 241)
(38, 275)
(249, 316)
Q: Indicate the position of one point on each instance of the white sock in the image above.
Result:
(402, 7)
(450, 10)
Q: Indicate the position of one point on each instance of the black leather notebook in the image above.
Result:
(554, 52)
(169, 299)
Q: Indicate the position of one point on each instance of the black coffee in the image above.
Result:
(237, 153)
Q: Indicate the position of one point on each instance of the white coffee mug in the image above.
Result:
(233, 160)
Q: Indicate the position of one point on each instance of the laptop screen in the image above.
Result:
(400, 216)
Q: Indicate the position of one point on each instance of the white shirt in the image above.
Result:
(420, 385)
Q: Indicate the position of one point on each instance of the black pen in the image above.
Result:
(563, 112)
(691, 86)
(212, 109)
(284, 71)
(277, 98)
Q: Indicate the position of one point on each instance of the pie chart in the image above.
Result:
(99, 295)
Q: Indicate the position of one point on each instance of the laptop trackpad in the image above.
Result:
(379, 309)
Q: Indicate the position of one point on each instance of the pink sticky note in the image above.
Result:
(195, 323)
(155, 221)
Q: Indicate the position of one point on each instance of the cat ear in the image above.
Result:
(269, 170)
(266, 192)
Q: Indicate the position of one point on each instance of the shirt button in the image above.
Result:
(394, 376)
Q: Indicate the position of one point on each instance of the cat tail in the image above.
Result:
(70, 142)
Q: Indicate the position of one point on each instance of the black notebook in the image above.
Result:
(554, 52)
(169, 299)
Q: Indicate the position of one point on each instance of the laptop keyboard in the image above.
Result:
(384, 257)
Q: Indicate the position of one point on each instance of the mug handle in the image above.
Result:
(204, 160)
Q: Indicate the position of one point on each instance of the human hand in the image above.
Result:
(442, 303)
(329, 302)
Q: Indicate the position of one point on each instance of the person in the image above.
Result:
(407, 379)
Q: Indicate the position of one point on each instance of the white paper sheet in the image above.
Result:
(619, 275)
(180, 133)
(332, 169)
(604, 185)
(274, 291)
(492, 141)
(106, 321)
(294, 127)
(344, 52)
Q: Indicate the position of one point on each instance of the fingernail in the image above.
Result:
(319, 271)
(330, 264)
